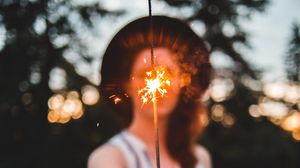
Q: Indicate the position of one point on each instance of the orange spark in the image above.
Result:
(117, 100)
(156, 84)
(111, 96)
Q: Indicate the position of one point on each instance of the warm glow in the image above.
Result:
(228, 120)
(220, 89)
(78, 114)
(90, 95)
(292, 94)
(292, 122)
(273, 109)
(117, 100)
(68, 107)
(62, 110)
(281, 105)
(156, 84)
(73, 95)
(203, 120)
(64, 119)
(275, 90)
(53, 116)
(78, 107)
(296, 135)
(218, 112)
(276, 121)
(254, 110)
(56, 102)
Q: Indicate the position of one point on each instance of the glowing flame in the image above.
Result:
(156, 84)
(117, 100)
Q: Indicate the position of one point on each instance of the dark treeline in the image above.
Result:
(30, 53)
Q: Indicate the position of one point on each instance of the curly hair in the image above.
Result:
(184, 125)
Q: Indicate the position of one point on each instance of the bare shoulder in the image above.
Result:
(105, 155)
(203, 156)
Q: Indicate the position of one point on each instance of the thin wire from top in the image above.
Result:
(151, 33)
(154, 103)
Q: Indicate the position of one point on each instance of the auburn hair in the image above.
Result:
(184, 124)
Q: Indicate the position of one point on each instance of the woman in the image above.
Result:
(127, 58)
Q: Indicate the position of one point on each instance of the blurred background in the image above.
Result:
(50, 56)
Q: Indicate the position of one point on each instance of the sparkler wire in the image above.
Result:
(151, 33)
(155, 100)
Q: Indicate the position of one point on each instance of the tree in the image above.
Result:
(42, 35)
(293, 55)
(243, 141)
(38, 35)
(217, 16)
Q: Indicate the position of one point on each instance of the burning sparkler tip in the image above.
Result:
(117, 100)
(156, 82)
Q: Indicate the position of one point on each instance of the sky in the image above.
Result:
(269, 36)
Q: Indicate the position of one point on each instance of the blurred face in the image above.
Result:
(163, 58)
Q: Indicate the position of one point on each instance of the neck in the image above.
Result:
(143, 127)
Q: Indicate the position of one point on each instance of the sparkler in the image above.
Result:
(156, 84)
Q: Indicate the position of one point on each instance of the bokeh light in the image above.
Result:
(73, 95)
(63, 107)
(275, 90)
(27, 98)
(296, 135)
(90, 95)
(220, 89)
(292, 94)
(280, 105)
(68, 108)
(53, 116)
(273, 109)
(254, 110)
(56, 102)
(292, 122)
(217, 112)
(228, 120)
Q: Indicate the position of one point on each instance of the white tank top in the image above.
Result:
(134, 150)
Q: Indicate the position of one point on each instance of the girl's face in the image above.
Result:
(162, 57)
